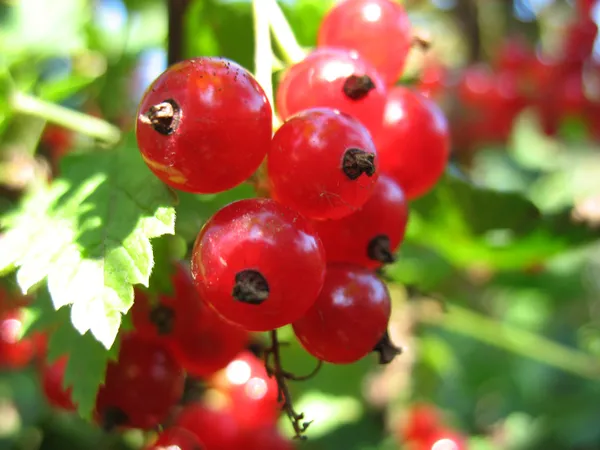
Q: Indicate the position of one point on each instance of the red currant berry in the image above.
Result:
(264, 438)
(379, 30)
(323, 164)
(421, 423)
(334, 78)
(414, 144)
(258, 264)
(349, 317)
(444, 439)
(15, 352)
(204, 125)
(215, 428)
(52, 384)
(513, 55)
(176, 438)
(141, 387)
(159, 316)
(371, 235)
(207, 343)
(253, 394)
(198, 338)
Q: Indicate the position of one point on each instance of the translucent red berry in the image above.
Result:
(53, 375)
(197, 337)
(159, 316)
(204, 125)
(207, 343)
(263, 438)
(379, 30)
(258, 264)
(323, 164)
(348, 319)
(421, 422)
(334, 78)
(217, 429)
(414, 144)
(15, 352)
(252, 393)
(176, 438)
(141, 387)
(370, 236)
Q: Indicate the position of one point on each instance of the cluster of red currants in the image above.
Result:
(490, 96)
(339, 170)
(352, 150)
(178, 341)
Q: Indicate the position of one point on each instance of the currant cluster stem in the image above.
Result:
(263, 53)
(275, 369)
(283, 33)
(68, 118)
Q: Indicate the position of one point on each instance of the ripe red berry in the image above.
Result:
(158, 316)
(379, 30)
(371, 235)
(348, 319)
(176, 438)
(258, 264)
(207, 343)
(141, 387)
(198, 338)
(215, 428)
(252, 393)
(414, 144)
(15, 352)
(204, 125)
(421, 422)
(52, 384)
(263, 438)
(323, 164)
(334, 78)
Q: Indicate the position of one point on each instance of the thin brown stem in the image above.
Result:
(272, 355)
(177, 10)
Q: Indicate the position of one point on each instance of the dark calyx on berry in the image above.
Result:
(357, 87)
(113, 418)
(193, 390)
(379, 249)
(250, 287)
(163, 317)
(356, 162)
(163, 117)
(386, 349)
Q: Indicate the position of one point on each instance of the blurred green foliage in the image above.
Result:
(513, 363)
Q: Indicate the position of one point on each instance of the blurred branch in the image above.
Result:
(68, 118)
(508, 337)
(283, 33)
(468, 16)
(177, 9)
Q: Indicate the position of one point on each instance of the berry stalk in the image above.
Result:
(283, 33)
(263, 53)
(67, 118)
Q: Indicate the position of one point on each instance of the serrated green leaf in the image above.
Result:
(86, 367)
(89, 235)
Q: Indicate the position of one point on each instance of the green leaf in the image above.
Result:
(88, 234)
(193, 210)
(470, 225)
(220, 28)
(86, 367)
